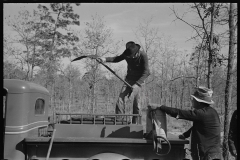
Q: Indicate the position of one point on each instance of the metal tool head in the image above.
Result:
(89, 56)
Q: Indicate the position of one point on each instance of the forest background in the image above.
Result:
(43, 38)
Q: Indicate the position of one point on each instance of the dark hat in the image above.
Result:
(131, 48)
(203, 94)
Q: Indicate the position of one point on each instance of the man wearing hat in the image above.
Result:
(205, 132)
(137, 72)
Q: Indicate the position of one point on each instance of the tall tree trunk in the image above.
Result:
(182, 93)
(70, 94)
(92, 97)
(229, 82)
(161, 98)
(210, 58)
(198, 75)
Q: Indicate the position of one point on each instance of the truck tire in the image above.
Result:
(109, 156)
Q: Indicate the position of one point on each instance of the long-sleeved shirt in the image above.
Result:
(137, 70)
(232, 135)
(205, 131)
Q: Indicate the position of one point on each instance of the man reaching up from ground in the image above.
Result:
(205, 132)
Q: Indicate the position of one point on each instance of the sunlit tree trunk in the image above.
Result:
(210, 49)
(229, 82)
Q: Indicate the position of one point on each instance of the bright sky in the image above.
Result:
(124, 18)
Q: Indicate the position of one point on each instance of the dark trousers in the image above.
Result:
(124, 97)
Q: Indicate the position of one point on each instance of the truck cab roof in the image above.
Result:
(20, 86)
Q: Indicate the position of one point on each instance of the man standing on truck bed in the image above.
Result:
(205, 132)
(137, 72)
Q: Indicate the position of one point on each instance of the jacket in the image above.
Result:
(205, 131)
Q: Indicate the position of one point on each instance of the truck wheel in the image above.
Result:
(109, 156)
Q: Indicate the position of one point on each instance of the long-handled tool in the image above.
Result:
(96, 58)
(50, 146)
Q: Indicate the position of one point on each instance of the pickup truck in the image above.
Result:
(29, 135)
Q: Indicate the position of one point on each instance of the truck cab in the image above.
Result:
(73, 136)
(26, 115)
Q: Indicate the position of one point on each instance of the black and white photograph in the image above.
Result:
(120, 81)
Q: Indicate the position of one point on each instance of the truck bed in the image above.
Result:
(171, 138)
(84, 137)
(82, 148)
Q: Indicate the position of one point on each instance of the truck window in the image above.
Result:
(39, 106)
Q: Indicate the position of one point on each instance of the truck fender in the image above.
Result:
(108, 156)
